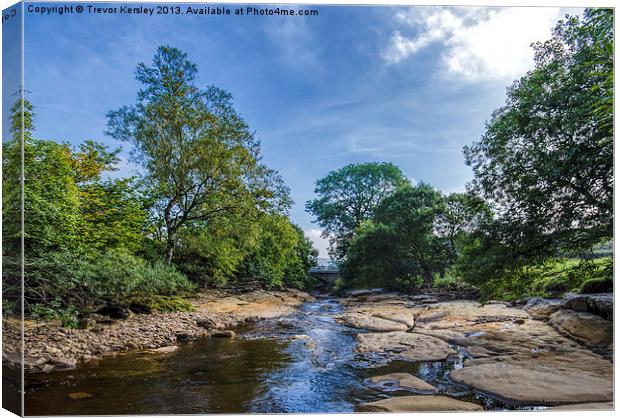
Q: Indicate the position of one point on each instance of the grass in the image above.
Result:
(555, 277)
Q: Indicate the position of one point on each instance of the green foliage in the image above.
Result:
(599, 285)
(400, 247)
(9, 307)
(348, 197)
(51, 196)
(84, 279)
(545, 162)
(199, 157)
(114, 215)
(449, 278)
(296, 273)
(205, 193)
(212, 254)
(281, 255)
(118, 275)
(169, 304)
(549, 278)
(55, 311)
(339, 286)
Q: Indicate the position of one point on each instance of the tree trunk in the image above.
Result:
(170, 230)
(169, 250)
(428, 278)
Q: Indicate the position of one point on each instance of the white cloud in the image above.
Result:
(477, 43)
(319, 242)
(294, 39)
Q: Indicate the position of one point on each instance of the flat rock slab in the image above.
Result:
(404, 381)
(493, 339)
(372, 323)
(592, 406)
(464, 312)
(542, 378)
(404, 345)
(416, 403)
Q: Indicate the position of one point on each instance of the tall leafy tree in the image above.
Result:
(51, 194)
(199, 157)
(348, 197)
(545, 162)
(461, 215)
(277, 258)
(400, 246)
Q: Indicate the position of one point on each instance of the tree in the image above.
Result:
(114, 215)
(546, 158)
(297, 272)
(461, 215)
(51, 195)
(279, 254)
(200, 160)
(399, 247)
(212, 253)
(545, 162)
(348, 197)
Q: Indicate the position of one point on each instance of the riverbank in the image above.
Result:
(49, 346)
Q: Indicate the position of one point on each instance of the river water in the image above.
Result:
(302, 363)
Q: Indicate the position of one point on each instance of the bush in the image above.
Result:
(85, 279)
(118, 275)
(600, 285)
(67, 316)
(170, 304)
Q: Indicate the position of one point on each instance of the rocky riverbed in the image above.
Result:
(546, 352)
(49, 346)
(379, 352)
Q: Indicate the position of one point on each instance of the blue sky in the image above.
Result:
(407, 85)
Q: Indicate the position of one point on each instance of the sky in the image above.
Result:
(407, 85)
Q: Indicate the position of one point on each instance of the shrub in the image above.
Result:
(85, 279)
(600, 285)
(170, 304)
(67, 316)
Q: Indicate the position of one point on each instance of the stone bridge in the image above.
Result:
(327, 275)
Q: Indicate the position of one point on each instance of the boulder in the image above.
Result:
(380, 318)
(446, 315)
(601, 304)
(590, 329)
(370, 323)
(63, 362)
(542, 309)
(357, 292)
(401, 381)
(404, 346)
(416, 403)
(207, 323)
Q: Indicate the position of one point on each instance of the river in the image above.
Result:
(301, 363)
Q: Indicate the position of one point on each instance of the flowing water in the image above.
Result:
(302, 363)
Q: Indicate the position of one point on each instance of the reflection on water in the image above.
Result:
(302, 363)
(214, 375)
